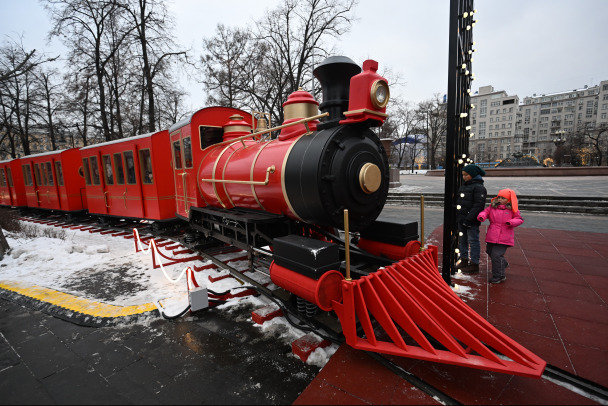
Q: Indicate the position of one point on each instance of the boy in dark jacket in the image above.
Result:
(471, 201)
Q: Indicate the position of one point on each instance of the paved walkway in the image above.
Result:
(534, 186)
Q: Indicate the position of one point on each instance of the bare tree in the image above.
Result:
(30, 61)
(225, 58)
(17, 86)
(17, 96)
(152, 21)
(598, 138)
(296, 35)
(50, 105)
(85, 27)
(408, 148)
(78, 106)
(432, 122)
(261, 68)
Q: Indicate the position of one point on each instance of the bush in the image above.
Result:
(8, 220)
(10, 223)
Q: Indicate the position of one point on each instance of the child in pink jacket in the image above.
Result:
(504, 217)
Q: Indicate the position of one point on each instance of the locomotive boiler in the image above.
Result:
(314, 169)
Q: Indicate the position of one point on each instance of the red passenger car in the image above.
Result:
(53, 180)
(189, 138)
(131, 177)
(12, 191)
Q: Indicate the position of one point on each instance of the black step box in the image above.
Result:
(306, 256)
(396, 232)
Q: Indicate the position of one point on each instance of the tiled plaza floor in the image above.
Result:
(554, 302)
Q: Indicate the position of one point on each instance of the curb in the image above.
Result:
(72, 308)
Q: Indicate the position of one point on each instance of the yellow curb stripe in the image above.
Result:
(74, 303)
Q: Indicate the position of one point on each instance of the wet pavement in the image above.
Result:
(221, 358)
(209, 358)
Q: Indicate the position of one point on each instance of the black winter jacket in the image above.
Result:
(472, 200)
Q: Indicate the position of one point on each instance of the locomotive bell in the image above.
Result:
(235, 128)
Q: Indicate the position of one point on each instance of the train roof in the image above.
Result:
(188, 119)
(136, 137)
(59, 151)
(182, 123)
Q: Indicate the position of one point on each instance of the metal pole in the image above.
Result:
(347, 245)
(458, 104)
(421, 222)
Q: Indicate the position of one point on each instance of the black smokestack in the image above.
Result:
(334, 74)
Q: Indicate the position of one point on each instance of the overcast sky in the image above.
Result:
(522, 46)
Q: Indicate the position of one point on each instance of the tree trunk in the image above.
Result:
(3, 244)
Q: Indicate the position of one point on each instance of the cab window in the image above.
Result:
(187, 152)
(120, 171)
(94, 170)
(130, 167)
(27, 175)
(146, 166)
(59, 172)
(210, 136)
(107, 169)
(37, 174)
(177, 155)
(87, 172)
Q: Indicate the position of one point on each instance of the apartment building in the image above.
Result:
(493, 123)
(502, 126)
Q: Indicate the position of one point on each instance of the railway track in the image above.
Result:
(319, 325)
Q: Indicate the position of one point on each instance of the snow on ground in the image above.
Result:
(108, 269)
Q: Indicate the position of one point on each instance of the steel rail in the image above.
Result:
(577, 384)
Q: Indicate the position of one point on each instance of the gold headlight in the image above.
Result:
(380, 94)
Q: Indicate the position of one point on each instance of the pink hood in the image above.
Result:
(499, 231)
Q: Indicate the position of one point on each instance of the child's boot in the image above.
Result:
(472, 268)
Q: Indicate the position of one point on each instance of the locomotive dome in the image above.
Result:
(300, 104)
(236, 127)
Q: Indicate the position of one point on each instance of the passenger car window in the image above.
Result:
(59, 173)
(94, 170)
(87, 172)
(27, 175)
(120, 172)
(2, 177)
(107, 169)
(130, 167)
(177, 155)
(187, 152)
(49, 173)
(37, 174)
(145, 161)
(9, 176)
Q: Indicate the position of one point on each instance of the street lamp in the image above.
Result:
(559, 139)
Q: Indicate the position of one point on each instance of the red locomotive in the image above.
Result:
(287, 198)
